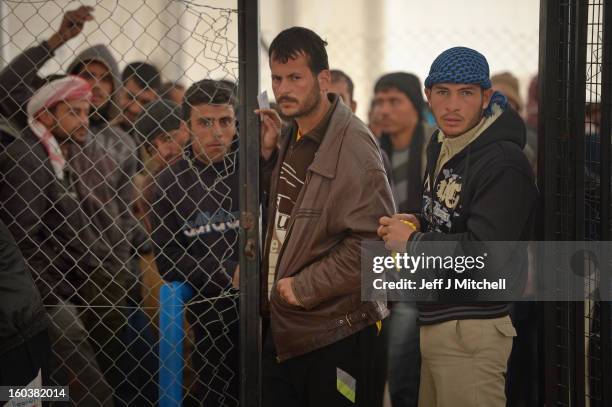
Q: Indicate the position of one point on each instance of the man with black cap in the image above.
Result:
(159, 126)
(398, 100)
(399, 103)
(479, 189)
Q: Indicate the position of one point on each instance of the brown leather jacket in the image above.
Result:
(345, 193)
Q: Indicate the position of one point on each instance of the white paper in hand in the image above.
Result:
(262, 100)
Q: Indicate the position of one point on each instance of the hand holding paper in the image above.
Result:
(270, 126)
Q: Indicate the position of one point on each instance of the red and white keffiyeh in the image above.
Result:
(64, 89)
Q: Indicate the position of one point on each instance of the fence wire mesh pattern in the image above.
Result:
(119, 183)
(578, 364)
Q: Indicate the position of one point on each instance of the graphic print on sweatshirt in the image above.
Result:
(289, 186)
(445, 205)
(205, 223)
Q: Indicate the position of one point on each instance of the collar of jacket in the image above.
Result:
(418, 138)
(325, 162)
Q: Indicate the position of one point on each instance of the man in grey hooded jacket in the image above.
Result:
(98, 67)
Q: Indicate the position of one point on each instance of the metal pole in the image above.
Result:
(548, 133)
(250, 322)
(605, 184)
(576, 113)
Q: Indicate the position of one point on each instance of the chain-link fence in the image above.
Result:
(119, 176)
(125, 202)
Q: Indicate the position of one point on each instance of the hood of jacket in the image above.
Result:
(100, 53)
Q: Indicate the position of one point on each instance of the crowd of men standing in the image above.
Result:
(100, 169)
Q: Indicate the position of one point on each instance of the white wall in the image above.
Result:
(190, 40)
(186, 40)
(506, 32)
(354, 31)
(369, 38)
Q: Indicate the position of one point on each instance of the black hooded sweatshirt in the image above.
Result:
(485, 193)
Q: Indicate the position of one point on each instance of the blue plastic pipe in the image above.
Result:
(172, 299)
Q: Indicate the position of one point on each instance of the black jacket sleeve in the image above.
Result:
(19, 80)
(24, 204)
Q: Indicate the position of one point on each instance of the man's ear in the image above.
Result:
(486, 97)
(324, 78)
(353, 106)
(428, 94)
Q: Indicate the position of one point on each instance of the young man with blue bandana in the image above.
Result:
(479, 187)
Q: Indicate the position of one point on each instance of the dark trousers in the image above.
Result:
(216, 357)
(350, 372)
(73, 359)
(522, 379)
(20, 365)
(104, 295)
(404, 355)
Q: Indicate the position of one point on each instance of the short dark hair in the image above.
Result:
(294, 41)
(233, 86)
(207, 92)
(144, 74)
(339, 75)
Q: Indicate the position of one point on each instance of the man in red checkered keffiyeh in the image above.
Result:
(59, 111)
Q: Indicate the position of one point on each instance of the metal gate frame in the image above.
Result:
(250, 321)
(561, 162)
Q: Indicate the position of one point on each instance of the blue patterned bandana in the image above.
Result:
(459, 65)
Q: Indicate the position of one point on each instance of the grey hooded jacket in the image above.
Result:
(118, 143)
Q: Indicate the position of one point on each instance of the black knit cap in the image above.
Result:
(157, 117)
(405, 82)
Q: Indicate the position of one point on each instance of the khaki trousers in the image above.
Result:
(464, 362)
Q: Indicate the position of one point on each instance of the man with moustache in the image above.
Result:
(326, 190)
(479, 188)
(398, 100)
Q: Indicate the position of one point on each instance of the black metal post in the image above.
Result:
(605, 132)
(576, 84)
(250, 322)
(548, 131)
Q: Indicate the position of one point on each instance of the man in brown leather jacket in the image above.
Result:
(326, 191)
